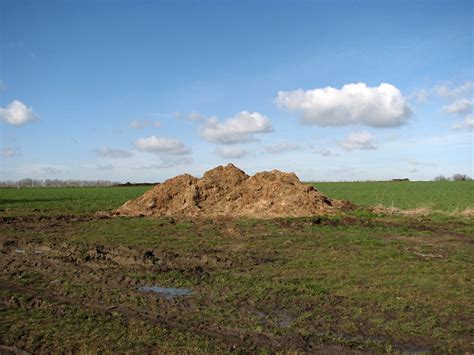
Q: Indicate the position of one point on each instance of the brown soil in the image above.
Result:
(228, 191)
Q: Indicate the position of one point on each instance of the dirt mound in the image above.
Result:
(228, 191)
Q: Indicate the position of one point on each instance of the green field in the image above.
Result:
(357, 281)
(436, 195)
(68, 200)
(448, 196)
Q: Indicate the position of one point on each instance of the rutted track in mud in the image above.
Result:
(232, 337)
(104, 280)
(55, 265)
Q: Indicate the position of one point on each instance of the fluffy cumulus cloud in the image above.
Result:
(136, 124)
(232, 152)
(447, 91)
(243, 127)
(17, 113)
(358, 141)
(353, 104)
(460, 107)
(169, 146)
(113, 153)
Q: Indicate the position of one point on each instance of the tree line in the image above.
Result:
(56, 183)
(84, 183)
(455, 177)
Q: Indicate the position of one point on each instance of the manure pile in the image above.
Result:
(228, 191)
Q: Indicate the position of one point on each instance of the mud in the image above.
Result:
(50, 279)
(55, 275)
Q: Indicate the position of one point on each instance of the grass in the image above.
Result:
(448, 196)
(360, 280)
(66, 200)
(109, 333)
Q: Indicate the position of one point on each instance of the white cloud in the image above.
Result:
(113, 153)
(358, 141)
(282, 147)
(466, 124)
(9, 153)
(447, 91)
(168, 162)
(162, 145)
(354, 104)
(17, 113)
(238, 129)
(232, 152)
(460, 107)
(145, 124)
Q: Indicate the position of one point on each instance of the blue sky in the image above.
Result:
(145, 90)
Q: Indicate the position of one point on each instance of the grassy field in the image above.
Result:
(443, 196)
(57, 200)
(358, 281)
(437, 195)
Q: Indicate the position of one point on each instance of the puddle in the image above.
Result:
(167, 292)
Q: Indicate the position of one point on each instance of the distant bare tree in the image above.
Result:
(441, 178)
(460, 177)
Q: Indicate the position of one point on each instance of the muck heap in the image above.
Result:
(227, 191)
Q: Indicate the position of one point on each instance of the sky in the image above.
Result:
(145, 90)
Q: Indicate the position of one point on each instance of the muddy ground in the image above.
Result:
(351, 284)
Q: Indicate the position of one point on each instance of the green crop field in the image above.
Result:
(357, 281)
(440, 195)
(66, 200)
(446, 196)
